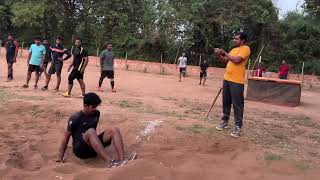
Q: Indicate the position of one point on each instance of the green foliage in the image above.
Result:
(145, 29)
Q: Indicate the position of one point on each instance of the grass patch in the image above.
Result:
(273, 157)
(37, 111)
(196, 129)
(136, 104)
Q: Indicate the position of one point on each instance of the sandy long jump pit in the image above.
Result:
(163, 121)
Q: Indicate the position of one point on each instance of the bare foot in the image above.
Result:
(100, 89)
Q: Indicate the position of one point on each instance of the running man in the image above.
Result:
(35, 61)
(203, 72)
(79, 64)
(106, 64)
(11, 56)
(233, 83)
(48, 58)
(57, 52)
(86, 143)
(182, 63)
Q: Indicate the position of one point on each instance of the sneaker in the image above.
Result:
(236, 131)
(45, 88)
(25, 86)
(113, 90)
(66, 94)
(223, 125)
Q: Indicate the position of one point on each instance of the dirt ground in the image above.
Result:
(163, 121)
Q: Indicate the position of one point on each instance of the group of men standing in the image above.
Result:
(41, 53)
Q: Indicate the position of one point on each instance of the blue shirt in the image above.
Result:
(37, 52)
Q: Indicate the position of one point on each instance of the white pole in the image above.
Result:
(126, 60)
(200, 60)
(302, 72)
(248, 70)
(161, 63)
(21, 48)
(97, 57)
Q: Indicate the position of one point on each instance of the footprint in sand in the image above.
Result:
(66, 168)
(29, 163)
(15, 160)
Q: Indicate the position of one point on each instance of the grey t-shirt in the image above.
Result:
(107, 60)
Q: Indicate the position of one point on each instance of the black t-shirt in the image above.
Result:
(11, 49)
(204, 67)
(58, 51)
(48, 52)
(78, 57)
(79, 123)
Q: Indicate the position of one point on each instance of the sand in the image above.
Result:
(163, 121)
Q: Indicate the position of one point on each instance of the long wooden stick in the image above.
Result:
(258, 57)
(214, 101)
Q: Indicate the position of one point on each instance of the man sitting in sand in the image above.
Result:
(86, 143)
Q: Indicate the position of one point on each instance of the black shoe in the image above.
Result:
(236, 132)
(223, 125)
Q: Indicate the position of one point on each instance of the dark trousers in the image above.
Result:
(233, 94)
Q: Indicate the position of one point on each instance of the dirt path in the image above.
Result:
(162, 120)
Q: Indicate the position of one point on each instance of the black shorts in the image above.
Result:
(56, 68)
(84, 151)
(75, 74)
(108, 74)
(183, 70)
(33, 68)
(203, 74)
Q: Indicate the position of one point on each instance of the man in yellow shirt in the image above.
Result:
(233, 83)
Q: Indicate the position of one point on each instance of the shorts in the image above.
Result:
(109, 74)
(84, 151)
(183, 70)
(55, 68)
(75, 74)
(203, 74)
(33, 68)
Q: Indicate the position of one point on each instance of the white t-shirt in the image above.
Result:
(182, 62)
